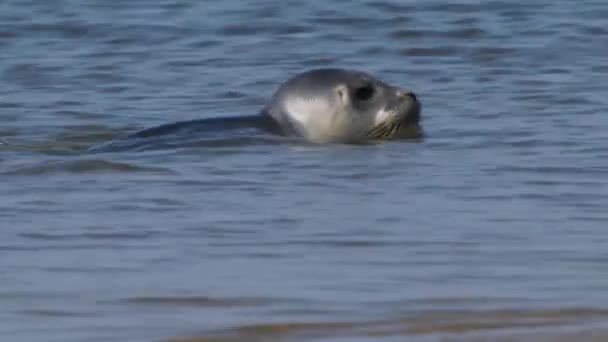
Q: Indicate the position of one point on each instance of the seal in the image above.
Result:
(326, 105)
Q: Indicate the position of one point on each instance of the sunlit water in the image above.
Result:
(493, 226)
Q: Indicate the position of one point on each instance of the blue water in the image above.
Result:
(493, 227)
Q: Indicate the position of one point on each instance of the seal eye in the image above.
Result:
(364, 93)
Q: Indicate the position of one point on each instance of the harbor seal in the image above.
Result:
(326, 105)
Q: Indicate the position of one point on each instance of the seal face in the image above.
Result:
(339, 105)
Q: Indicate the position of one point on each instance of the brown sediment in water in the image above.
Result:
(504, 325)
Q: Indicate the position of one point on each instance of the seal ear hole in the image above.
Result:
(364, 93)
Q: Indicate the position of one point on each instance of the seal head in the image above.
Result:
(338, 105)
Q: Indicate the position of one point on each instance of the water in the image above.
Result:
(493, 227)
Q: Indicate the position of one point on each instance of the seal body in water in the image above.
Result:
(325, 105)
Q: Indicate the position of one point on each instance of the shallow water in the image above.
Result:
(493, 227)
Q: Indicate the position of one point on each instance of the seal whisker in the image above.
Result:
(377, 131)
(389, 131)
(382, 132)
(399, 129)
(394, 130)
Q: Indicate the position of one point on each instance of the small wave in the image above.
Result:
(80, 166)
(138, 236)
(181, 142)
(54, 313)
(199, 301)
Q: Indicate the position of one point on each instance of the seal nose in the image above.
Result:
(412, 95)
(412, 106)
(405, 94)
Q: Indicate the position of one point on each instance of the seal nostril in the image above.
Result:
(412, 95)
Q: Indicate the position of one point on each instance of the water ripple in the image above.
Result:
(80, 166)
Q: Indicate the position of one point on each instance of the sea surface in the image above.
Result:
(493, 227)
